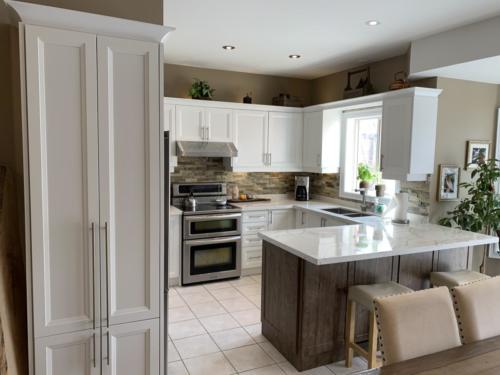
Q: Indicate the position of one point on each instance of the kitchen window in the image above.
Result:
(361, 133)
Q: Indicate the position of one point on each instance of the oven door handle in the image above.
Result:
(208, 241)
(196, 218)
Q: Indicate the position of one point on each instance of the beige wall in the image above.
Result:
(467, 111)
(331, 87)
(139, 10)
(233, 86)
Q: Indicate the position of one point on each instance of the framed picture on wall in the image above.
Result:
(449, 180)
(476, 151)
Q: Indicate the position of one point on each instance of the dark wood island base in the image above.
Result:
(304, 305)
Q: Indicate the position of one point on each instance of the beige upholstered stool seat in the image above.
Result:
(365, 294)
(456, 278)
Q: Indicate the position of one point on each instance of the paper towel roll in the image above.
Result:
(401, 213)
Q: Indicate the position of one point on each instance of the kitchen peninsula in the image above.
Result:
(306, 274)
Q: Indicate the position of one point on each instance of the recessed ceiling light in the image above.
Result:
(228, 48)
(373, 23)
(294, 57)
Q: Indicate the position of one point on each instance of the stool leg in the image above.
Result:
(349, 332)
(372, 342)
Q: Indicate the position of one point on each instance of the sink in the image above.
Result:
(340, 211)
(346, 212)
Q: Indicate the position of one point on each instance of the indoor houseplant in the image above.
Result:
(480, 210)
(379, 186)
(201, 90)
(365, 175)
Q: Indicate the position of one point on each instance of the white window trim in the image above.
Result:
(363, 112)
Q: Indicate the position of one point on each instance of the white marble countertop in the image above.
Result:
(349, 243)
(174, 211)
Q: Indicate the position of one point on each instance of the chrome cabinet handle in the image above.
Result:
(256, 228)
(109, 351)
(302, 221)
(323, 222)
(255, 257)
(106, 230)
(93, 349)
(93, 280)
(255, 217)
(318, 160)
(253, 240)
(208, 133)
(381, 162)
(270, 217)
(270, 158)
(202, 133)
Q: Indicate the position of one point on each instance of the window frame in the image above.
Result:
(361, 113)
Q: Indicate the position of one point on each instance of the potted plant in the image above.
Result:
(365, 176)
(480, 211)
(379, 186)
(201, 90)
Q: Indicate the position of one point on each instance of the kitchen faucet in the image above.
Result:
(365, 205)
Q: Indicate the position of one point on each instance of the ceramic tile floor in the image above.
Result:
(214, 329)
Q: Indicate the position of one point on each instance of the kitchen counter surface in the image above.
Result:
(349, 243)
(174, 211)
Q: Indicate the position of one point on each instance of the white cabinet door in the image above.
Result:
(281, 219)
(300, 218)
(285, 141)
(312, 145)
(61, 79)
(169, 125)
(219, 125)
(74, 353)
(313, 220)
(129, 168)
(331, 222)
(134, 349)
(174, 248)
(251, 132)
(189, 123)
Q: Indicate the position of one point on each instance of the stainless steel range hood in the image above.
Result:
(207, 149)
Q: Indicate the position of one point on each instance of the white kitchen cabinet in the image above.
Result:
(333, 222)
(129, 164)
(133, 348)
(307, 219)
(202, 124)
(321, 141)
(70, 353)
(251, 135)
(409, 122)
(281, 219)
(189, 123)
(219, 125)
(169, 125)
(285, 141)
(253, 222)
(92, 145)
(174, 249)
(62, 123)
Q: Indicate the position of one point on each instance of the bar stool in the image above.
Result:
(456, 278)
(364, 295)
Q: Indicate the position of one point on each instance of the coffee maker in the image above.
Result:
(302, 188)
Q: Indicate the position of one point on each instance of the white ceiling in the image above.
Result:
(331, 35)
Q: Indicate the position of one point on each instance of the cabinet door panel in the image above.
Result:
(129, 158)
(285, 141)
(62, 125)
(313, 124)
(220, 124)
(189, 123)
(134, 349)
(251, 131)
(281, 219)
(68, 354)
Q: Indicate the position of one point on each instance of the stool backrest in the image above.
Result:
(477, 306)
(415, 324)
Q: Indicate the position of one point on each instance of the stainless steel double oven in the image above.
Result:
(211, 246)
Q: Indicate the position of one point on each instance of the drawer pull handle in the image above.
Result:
(256, 228)
(253, 240)
(254, 257)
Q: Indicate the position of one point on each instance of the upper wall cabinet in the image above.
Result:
(268, 141)
(193, 123)
(285, 141)
(321, 146)
(409, 122)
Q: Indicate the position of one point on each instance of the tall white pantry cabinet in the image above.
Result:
(93, 152)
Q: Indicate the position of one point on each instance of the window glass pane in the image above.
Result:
(368, 136)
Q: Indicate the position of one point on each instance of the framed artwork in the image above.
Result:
(449, 179)
(476, 151)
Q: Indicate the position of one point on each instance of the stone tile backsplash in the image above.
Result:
(213, 170)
